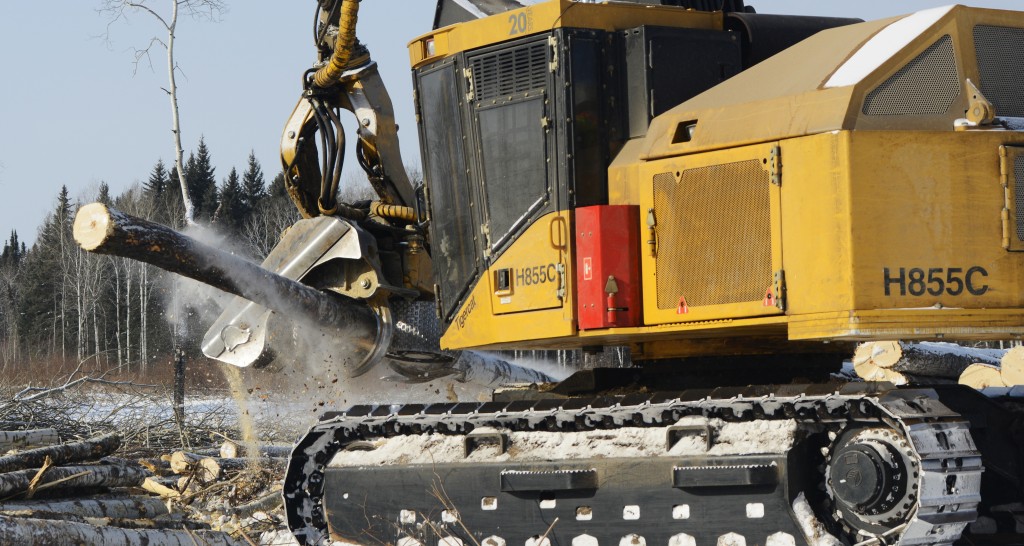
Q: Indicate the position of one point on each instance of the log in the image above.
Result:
(218, 466)
(122, 508)
(74, 477)
(474, 367)
(93, 449)
(265, 503)
(234, 450)
(919, 359)
(1012, 366)
(38, 531)
(182, 462)
(105, 230)
(981, 376)
(157, 488)
(20, 439)
(158, 467)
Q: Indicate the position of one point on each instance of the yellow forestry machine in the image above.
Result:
(737, 198)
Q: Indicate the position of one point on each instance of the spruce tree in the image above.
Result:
(254, 189)
(158, 181)
(202, 184)
(277, 187)
(47, 311)
(13, 251)
(253, 183)
(103, 196)
(231, 212)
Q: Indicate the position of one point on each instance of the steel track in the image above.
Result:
(940, 502)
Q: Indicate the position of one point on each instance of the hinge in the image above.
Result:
(485, 230)
(560, 268)
(776, 165)
(426, 202)
(437, 301)
(470, 90)
(779, 289)
(553, 42)
(1008, 202)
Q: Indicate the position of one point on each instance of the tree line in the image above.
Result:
(60, 303)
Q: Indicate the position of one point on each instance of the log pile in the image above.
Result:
(77, 493)
(904, 363)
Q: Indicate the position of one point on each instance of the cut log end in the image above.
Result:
(93, 225)
(1012, 368)
(981, 376)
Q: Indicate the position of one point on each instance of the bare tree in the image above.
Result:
(168, 19)
(264, 228)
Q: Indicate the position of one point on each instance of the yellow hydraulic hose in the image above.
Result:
(395, 212)
(343, 45)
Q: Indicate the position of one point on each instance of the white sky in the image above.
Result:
(71, 111)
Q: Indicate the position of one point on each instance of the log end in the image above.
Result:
(93, 224)
(981, 376)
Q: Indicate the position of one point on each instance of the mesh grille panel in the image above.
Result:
(926, 85)
(1018, 198)
(1002, 67)
(714, 233)
(510, 71)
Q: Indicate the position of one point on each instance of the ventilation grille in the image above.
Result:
(511, 71)
(1002, 67)
(926, 85)
(714, 233)
(1018, 197)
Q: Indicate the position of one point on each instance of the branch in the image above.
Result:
(136, 5)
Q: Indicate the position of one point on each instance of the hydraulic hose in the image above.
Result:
(343, 45)
(394, 212)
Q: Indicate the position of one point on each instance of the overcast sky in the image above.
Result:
(73, 112)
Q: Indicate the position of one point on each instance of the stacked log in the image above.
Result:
(93, 498)
(925, 363)
(904, 363)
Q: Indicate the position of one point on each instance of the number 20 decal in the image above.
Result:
(519, 24)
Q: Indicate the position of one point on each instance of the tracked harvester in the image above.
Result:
(738, 198)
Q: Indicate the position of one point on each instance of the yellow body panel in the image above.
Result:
(539, 304)
(546, 16)
(793, 214)
(704, 231)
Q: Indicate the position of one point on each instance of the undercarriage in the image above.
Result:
(797, 464)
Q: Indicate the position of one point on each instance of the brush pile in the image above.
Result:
(78, 493)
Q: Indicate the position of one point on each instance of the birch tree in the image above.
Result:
(167, 14)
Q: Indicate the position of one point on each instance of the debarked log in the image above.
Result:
(123, 508)
(20, 439)
(105, 230)
(60, 533)
(92, 449)
(74, 477)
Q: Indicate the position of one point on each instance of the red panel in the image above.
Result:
(607, 242)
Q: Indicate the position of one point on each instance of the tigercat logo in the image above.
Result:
(460, 321)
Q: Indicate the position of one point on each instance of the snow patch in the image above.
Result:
(812, 529)
(757, 437)
(882, 46)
